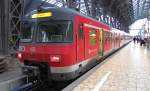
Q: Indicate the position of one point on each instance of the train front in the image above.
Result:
(47, 43)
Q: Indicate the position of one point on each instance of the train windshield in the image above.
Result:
(52, 31)
(55, 31)
(27, 32)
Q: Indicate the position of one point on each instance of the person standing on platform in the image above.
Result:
(142, 42)
(138, 39)
(134, 39)
(148, 42)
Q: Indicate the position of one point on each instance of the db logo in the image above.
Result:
(32, 49)
(21, 48)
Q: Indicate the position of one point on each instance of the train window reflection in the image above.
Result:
(52, 31)
(27, 33)
(57, 31)
(92, 37)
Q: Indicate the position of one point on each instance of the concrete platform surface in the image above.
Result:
(13, 76)
(11, 79)
(9, 75)
(126, 70)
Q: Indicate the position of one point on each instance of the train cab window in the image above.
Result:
(55, 32)
(80, 31)
(92, 37)
(27, 32)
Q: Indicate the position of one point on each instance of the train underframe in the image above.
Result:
(42, 72)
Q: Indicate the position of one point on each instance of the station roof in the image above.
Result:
(124, 11)
(141, 9)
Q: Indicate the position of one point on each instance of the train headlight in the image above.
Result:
(55, 58)
(19, 55)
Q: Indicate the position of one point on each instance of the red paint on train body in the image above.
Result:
(67, 60)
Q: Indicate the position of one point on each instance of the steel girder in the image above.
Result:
(141, 9)
(107, 11)
(117, 13)
(4, 28)
(15, 13)
(10, 25)
(121, 10)
(87, 7)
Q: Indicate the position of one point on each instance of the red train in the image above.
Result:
(63, 43)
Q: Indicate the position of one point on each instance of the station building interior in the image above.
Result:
(74, 45)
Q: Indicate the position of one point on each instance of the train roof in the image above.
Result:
(63, 13)
(114, 30)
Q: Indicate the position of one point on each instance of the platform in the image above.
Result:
(126, 70)
(12, 77)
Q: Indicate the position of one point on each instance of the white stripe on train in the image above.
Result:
(72, 68)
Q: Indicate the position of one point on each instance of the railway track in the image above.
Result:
(58, 86)
(54, 86)
(41, 87)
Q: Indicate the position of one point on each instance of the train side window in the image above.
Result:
(106, 36)
(100, 37)
(92, 37)
(110, 36)
(80, 31)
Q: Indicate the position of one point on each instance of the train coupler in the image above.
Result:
(32, 72)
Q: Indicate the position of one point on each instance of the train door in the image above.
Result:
(109, 41)
(119, 40)
(91, 40)
(101, 42)
(80, 43)
(113, 40)
(106, 42)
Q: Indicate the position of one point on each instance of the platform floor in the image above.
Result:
(126, 70)
(12, 77)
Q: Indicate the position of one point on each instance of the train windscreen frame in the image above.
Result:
(56, 31)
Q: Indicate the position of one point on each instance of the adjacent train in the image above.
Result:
(63, 44)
